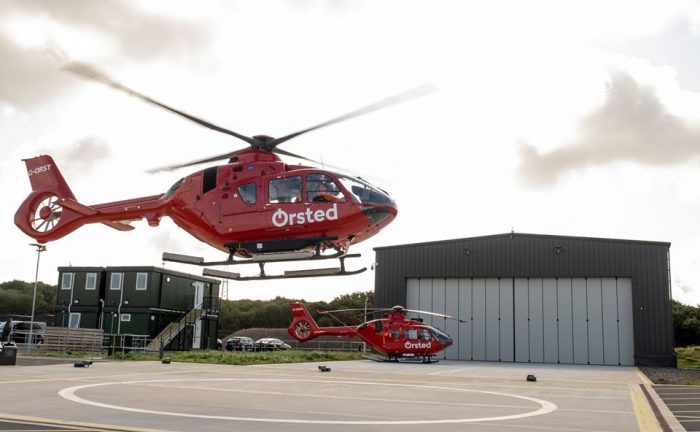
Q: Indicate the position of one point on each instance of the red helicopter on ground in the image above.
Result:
(393, 336)
(256, 208)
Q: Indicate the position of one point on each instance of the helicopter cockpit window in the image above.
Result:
(378, 326)
(363, 191)
(442, 336)
(424, 334)
(285, 190)
(320, 188)
(247, 193)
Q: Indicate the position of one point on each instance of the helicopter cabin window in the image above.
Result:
(394, 333)
(411, 333)
(424, 334)
(247, 193)
(209, 181)
(285, 190)
(320, 188)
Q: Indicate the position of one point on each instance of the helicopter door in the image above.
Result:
(240, 207)
(285, 207)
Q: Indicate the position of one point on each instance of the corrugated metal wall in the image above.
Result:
(529, 255)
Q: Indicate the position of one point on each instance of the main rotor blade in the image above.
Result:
(223, 156)
(86, 71)
(428, 313)
(286, 153)
(350, 310)
(393, 100)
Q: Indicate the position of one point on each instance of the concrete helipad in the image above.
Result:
(360, 395)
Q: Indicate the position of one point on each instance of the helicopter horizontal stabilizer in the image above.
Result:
(81, 209)
(119, 226)
(84, 210)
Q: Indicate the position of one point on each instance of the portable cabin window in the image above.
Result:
(90, 281)
(141, 281)
(247, 193)
(115, 281)
(74, 320)
(285, 190)
(67, 281)
(126, 317)
(320, 188)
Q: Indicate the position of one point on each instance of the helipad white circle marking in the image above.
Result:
(545, 406)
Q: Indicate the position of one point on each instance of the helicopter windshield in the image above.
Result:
(363, 191)
(442, 336)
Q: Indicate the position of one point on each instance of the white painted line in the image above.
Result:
(545, 406)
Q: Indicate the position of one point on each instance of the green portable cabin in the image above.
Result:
(141, 302)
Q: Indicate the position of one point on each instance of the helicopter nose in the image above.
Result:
(377, 215)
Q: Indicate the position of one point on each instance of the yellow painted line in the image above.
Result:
(643, 377)
(645, 417)
(53, 422)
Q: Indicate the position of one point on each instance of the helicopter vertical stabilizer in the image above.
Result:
(303, 326)
(44, 176)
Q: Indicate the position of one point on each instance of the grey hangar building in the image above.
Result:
(538, 298)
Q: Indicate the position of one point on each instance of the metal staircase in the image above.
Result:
(173, 329)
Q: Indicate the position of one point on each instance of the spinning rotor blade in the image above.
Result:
(86, 71)
(348, 310)
(435, 314)
(223, 156)
(393, 100)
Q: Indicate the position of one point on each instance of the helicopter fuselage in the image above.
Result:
(236, 203)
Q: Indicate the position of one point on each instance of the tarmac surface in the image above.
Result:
(352, 396)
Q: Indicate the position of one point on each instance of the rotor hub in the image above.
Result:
(45, 212)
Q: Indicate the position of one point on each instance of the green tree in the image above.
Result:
(686, 324)
(244, 314)
(16, 298)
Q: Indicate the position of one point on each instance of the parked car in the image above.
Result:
(239, 343)
(270, 344)
(19, 332)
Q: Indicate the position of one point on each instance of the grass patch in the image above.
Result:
(688, 357)
(243, 358)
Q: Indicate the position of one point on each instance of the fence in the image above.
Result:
(62, 339)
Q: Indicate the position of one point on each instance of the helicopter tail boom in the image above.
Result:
(51, 210)
(304, 328)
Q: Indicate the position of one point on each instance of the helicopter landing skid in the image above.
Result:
(262, 259)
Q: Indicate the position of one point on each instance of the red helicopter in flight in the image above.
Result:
(255, 207)
(394, 336)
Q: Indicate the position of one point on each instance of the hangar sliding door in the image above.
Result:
(538, 320)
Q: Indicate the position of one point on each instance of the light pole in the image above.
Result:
(39, 249)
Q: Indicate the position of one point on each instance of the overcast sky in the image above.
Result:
(563, 118)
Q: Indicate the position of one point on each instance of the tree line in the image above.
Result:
(16, 299)
(244, 314)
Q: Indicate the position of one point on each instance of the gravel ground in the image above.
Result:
(661, 375)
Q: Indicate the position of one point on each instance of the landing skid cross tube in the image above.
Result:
(263, 258)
